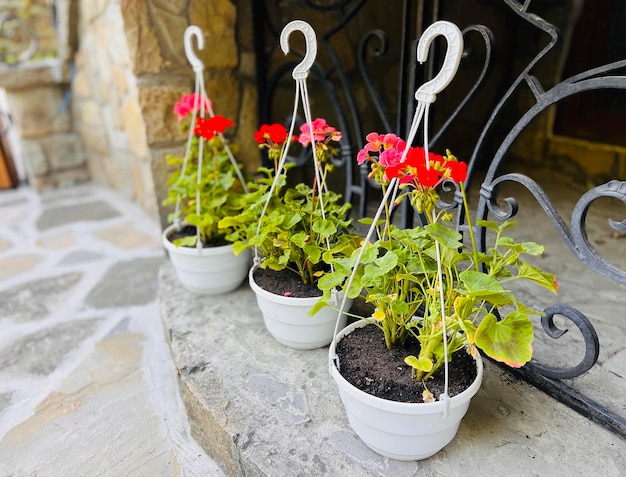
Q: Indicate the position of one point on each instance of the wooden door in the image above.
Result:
(8, 174)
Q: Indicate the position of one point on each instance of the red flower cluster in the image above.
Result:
(385, 152)
(210, 127)
(427, 173)
(272, 137)
(270, 134)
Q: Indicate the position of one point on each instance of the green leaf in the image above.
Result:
(324, 227)
(314, 252)
(421, 364)
(300, 239)
(380, 267)
(508, 340)
(479, 283)
(481, 286)
(445, 235)
(463, 307)
(399, 307)
(370, 221)
(370, 254)
(290, 220)
(532, 248)
(538, 276)
(321, 303)
(331, 280)
(449, 256)
(386, 263)
(189, 241)
(227, 222)
(495, 226)
(239, 247)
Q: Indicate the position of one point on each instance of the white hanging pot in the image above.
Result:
(207, 271)
(400, 430)
(288, 321)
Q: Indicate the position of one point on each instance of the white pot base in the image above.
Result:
(209, 271)
(288, 321)
(398, 430)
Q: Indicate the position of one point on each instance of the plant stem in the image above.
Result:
(470, 226)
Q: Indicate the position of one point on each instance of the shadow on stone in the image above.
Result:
(33, 301)
(91, 211)
(131, 283)
(41, 352)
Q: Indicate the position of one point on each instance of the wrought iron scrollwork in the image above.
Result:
(586, 253)
(575, 236)
(592, 344)
(18, 39)
(377, 100)
(576, 240)
(372, 46)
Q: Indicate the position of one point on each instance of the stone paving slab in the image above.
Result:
(261, 409)
(87, 383)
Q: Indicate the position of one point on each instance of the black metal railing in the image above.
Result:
(345, 85)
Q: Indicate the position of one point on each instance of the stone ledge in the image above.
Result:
(34, 74)
(260, 409)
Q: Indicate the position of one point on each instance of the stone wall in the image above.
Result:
(37, 93)
(109, 118)
(131, 69)
(106, 109)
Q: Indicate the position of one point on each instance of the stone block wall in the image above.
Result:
(38, 95)
(131, 70)
(102, 108)
(105, 104)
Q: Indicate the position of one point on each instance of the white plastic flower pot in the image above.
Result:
(398, 430)
(288, 321)
(208, 271)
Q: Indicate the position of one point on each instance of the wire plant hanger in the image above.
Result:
(205, 107)
(425, 95)
(299, 74)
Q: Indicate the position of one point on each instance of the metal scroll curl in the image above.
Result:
(489, 203)
(592, 344)
(574, 237)
(576, 240)
(19, 41)
(586, 253)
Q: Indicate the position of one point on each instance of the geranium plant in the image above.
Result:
(299, 228)
(206, 186)
(460, 298)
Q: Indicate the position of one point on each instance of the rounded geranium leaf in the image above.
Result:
(508, 340)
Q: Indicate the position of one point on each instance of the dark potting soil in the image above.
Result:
(367, 364)
(189, 230)
(285, 283)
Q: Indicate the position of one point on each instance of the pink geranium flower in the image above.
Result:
(189, 103)
(390, 157)
(321, 132)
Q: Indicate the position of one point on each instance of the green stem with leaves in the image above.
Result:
(470, 227)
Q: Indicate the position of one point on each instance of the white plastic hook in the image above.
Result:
(428, 91)
(190, 32)
(301, 70)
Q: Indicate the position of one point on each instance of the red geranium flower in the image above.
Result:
(457, 170)
(427, 177)
(274, 133)
(210, 127)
